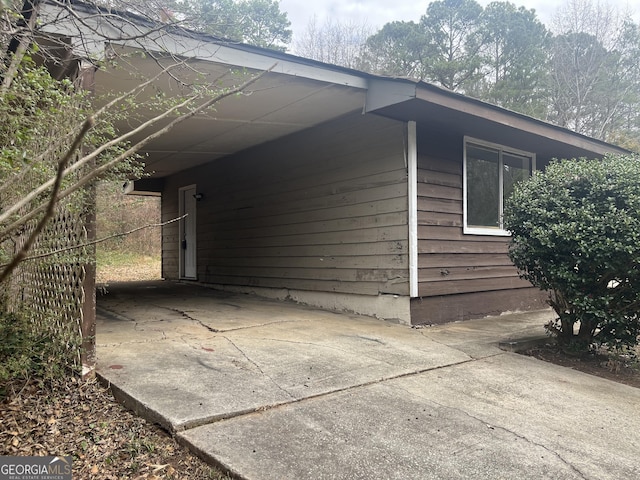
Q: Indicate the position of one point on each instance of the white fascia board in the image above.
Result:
(96, 31)
(237, 57)
(58, 22)
(384, 92)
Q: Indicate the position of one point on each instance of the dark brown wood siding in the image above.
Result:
(455, 268)
(322, 210)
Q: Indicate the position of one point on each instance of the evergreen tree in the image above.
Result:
(514, 57)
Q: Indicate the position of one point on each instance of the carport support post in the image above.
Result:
(412, 178)
(86, 77)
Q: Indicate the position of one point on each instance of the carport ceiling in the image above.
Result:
(273, 107)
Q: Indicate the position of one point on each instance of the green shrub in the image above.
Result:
(24, 353)
(576, 234)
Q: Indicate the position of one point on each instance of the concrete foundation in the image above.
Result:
(395, 308)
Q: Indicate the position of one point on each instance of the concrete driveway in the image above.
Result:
(273, 390)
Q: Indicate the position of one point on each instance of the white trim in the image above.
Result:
(412, 179)
(496, 232)
(497, 146)
(181, 233)
(94, 29)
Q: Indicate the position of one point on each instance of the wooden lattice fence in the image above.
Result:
(49, 290)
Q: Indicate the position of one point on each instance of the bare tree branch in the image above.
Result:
(57, 143)
(87, 158)
(118, 21)
(129, 152)
(50, 207)
(18, 55)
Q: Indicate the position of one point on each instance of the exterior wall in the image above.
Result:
(460, 276)
(319, 216)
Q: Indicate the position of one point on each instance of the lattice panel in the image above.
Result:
(50, 289)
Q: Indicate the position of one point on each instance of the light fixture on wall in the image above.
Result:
(198, 196)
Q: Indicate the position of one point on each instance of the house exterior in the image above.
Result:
(343, 190)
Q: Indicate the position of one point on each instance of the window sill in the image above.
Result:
(494, 232)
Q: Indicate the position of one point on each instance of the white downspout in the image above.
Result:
(412, 177)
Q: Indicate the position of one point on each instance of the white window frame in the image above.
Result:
(499, 232)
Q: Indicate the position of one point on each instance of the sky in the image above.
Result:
(375, 13)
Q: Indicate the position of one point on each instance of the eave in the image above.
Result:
(441, 110)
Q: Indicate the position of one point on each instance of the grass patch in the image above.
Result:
(118, 266)
(114, 258)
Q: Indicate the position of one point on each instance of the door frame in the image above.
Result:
(184, 228)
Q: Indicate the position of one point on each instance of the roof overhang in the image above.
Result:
(441, 110)
(294, 95)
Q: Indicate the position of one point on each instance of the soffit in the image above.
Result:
(275, 106)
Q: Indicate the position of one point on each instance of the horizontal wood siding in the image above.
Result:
(170, 234)
(321, 210)
(448, 308)
(454, 267)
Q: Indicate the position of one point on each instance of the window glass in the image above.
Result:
(483, 187)
(516, 168)
(491, 174)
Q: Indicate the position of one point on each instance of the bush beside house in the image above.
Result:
(576, 234)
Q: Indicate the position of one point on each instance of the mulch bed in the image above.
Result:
(618, 368)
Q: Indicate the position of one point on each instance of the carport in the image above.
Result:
(276, 390)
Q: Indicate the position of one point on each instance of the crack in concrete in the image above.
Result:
(264, 408)
(258, 367)
(141, 329)
(234, 329)
(544, 447)
(505, 429)
(184, 314)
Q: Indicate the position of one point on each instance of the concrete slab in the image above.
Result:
(187, 370)
(181, 384)
(480, 338)
(501, 417)
(590, 423)
(273, 390)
